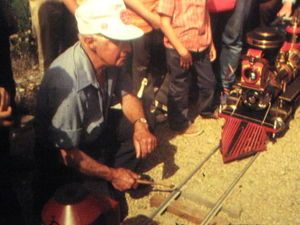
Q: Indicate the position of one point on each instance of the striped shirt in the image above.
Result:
(190, 21)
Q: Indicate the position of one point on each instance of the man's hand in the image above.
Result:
(186, 59)
(123, 179)
(286, 10)
(144, 141)
(5, 109)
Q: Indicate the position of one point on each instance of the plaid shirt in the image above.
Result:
(190, 21)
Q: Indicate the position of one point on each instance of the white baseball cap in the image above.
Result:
(105, 17)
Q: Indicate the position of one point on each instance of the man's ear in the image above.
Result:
(90, 43)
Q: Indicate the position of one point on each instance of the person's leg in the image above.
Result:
(140, 69)
(11, 213)
(158, 67)
(206, 83)
(70, 30)
(10, 209)
(34, 9)
(232, 42)
(51, 29)
(50, 174)
(178, 95)
(119, 145)
(120, 152)
(140, 60)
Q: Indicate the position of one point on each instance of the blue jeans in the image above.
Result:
(232, 41)
(179, 87)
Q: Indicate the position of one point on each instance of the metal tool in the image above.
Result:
(154, 183)
(143, 85)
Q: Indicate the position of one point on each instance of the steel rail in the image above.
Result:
(213, 212)
(177, 190)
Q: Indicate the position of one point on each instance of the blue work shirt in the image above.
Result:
(70, 109)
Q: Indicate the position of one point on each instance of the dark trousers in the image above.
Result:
(10, 209)
(180, 83)
(58, 30)
(147, 54)
(114, 148)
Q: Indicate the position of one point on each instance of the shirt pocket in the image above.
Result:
(65, 139)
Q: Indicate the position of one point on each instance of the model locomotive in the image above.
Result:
(261, 104)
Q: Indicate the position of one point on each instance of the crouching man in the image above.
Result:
(79, 138)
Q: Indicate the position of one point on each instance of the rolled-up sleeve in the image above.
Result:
(59, 117)
(166, 7)
(65, 129)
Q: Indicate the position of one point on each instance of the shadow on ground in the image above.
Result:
(164, 153)
(140, 220)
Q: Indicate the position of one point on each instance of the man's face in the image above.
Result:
(111, 52)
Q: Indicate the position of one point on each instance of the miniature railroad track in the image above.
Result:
(175, 194)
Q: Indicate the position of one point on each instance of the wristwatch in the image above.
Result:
(142, 120)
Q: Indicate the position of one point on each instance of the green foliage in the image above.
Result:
(23, 45)
(20, 8)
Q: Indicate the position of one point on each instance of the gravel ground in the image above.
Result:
(269, 193)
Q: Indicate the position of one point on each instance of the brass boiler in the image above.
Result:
(267, 39)
(287, 63)
(287, 69)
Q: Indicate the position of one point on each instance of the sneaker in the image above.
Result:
(191, 130)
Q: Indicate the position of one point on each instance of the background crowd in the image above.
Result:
(180, 39)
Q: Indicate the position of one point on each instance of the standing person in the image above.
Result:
(232, 44)
(10, 210)
(54, 28)
(189, 49)
(74, 122)
(145, 50)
